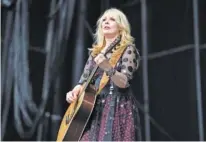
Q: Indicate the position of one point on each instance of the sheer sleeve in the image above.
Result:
(130, 61)
(87, 70)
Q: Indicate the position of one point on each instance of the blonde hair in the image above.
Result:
(123, 24)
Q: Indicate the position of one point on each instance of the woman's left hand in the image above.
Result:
(102, 62)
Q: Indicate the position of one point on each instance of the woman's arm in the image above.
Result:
(129, 64)
(87, 70)
(73, 94)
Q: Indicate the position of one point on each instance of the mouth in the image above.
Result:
(106, 27)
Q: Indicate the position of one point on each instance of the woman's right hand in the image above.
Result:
(71, 96)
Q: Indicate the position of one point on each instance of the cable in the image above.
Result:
(56, 9)
(25, 74)
(19, 127)
(17, 75)
(68, 22)
(17, 54)
(52, 53)
(7, 74)
(22, 84)
(8, 87)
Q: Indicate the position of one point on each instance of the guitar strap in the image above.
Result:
(116, 55)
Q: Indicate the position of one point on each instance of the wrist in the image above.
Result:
(110, 72)
(108, 67)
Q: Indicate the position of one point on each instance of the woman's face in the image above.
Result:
(110, 27)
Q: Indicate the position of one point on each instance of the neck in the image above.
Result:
(109, 40)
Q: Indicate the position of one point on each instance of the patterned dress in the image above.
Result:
(115, 116)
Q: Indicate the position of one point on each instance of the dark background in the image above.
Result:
(172, 91)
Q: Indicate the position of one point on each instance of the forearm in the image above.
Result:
(120, 79)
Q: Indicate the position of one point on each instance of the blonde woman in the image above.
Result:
(115, 116)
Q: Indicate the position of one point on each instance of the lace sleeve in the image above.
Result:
(87, 70)
(130, 61)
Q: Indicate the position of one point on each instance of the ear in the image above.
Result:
(120, 30)
(120, 27)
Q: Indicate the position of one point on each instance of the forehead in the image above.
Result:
(110, 15)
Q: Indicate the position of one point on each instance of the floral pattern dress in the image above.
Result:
(115, 116)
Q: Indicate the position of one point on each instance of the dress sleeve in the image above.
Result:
(87, 70)
(130, 61)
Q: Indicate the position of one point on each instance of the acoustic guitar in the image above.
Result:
(78, 113)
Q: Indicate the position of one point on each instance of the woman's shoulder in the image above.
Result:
(131, 47)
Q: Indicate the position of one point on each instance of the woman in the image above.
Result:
(115, 116)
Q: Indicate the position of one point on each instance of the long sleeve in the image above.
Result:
(128, 65)
(87, 70)
(130, 61)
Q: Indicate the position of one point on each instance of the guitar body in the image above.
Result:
(77, 115)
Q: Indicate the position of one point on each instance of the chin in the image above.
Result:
(108, 33)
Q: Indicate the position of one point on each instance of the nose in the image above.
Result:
(106, 22)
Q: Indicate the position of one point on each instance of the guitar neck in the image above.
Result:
(90, 77)
(96, 66)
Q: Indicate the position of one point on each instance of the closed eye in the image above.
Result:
(112, 19)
